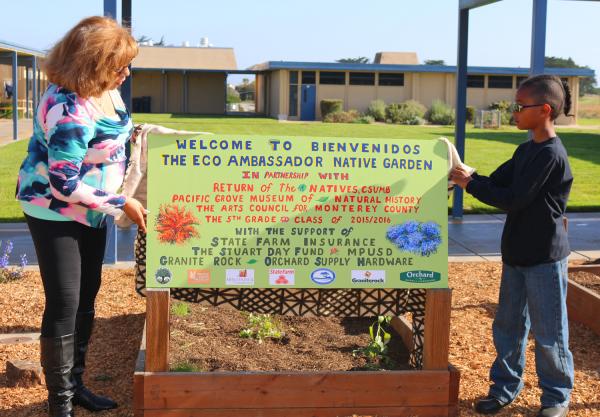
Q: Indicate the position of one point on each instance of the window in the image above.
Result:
(362, 78)
(331, 77)
(308, 77)
(293, 97)
(390, 78)
(500, 81)
(520, 80)
(475, 81)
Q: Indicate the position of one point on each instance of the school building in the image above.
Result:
(294, 90)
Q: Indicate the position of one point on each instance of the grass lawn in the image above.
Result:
(486, 149)
(589, 122)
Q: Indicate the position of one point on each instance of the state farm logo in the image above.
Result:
(361, 276)
(198, 276)
(282, 276)
(239, 276)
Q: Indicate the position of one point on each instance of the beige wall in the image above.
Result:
(360, 96)
(273, 91)
(148, 83)
(206, 93)
(431, 87)
(174, 92)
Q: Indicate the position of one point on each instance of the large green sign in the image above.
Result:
(296, 212)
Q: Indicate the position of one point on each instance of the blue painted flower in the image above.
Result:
(416, 237)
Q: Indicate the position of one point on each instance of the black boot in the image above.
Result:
(83, 396)
(57, 362)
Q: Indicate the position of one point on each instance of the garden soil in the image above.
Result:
(120, 321)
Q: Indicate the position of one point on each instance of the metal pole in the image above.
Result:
(126, 22)
(27, 92)
(538, 36)
(34, 89)
(15, 96)
(110, 8)
(461, 102)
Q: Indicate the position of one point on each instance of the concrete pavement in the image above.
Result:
(474, 239)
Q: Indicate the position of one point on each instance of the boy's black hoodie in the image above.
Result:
(533, 187)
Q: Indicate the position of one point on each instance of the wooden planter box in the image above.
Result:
(430, 392)
(583, 304)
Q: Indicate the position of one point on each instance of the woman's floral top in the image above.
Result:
(76, 158)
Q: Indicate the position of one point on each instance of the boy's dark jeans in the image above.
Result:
(533, 297)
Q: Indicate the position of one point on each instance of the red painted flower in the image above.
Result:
(175, 224)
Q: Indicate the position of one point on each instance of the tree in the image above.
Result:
(246, 89)
(143, 38)
(359, 60)
(435, 62)
(586, 84)
(161, 42)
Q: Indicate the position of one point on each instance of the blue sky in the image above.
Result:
(327, 30)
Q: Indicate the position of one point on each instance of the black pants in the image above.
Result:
(70, 258)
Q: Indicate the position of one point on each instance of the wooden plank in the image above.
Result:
(428, 411)
(590, 268)
(282, 390)
(157, 329)
(138, 391)
(404, 329)
(453, 391)
(583, 306)
(436, 343)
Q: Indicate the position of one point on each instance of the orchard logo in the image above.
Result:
(322, 276)
(420, 276)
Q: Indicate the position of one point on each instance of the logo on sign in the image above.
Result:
(163, 275)
(360, 276)
(322, 276)
(239, 276)
(198, 276)
(420, 276)
(282, 276)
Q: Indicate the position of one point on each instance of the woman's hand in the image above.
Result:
(136, 212)
(460, 177)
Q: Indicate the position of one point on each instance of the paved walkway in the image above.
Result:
(474, 239)
(25, 127)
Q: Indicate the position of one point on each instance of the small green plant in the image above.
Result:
(342, 117)
(261, 327)
(180, 309)
(376, 351)
(440, 113)
(377, 110)
(331, 106)
(185, 367)
(505, 108)
(410, 112)
(365, 120)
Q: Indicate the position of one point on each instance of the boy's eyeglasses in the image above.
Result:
(516, 108)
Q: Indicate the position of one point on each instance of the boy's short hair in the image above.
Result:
(86, 60)
(551, 90)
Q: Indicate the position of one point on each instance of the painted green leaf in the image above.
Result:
(323, 199)
(251, 261)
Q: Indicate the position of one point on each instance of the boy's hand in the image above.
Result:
(460, 177)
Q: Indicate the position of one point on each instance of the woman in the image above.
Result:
(67, 185)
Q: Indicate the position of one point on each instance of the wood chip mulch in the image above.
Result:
(120, 322)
